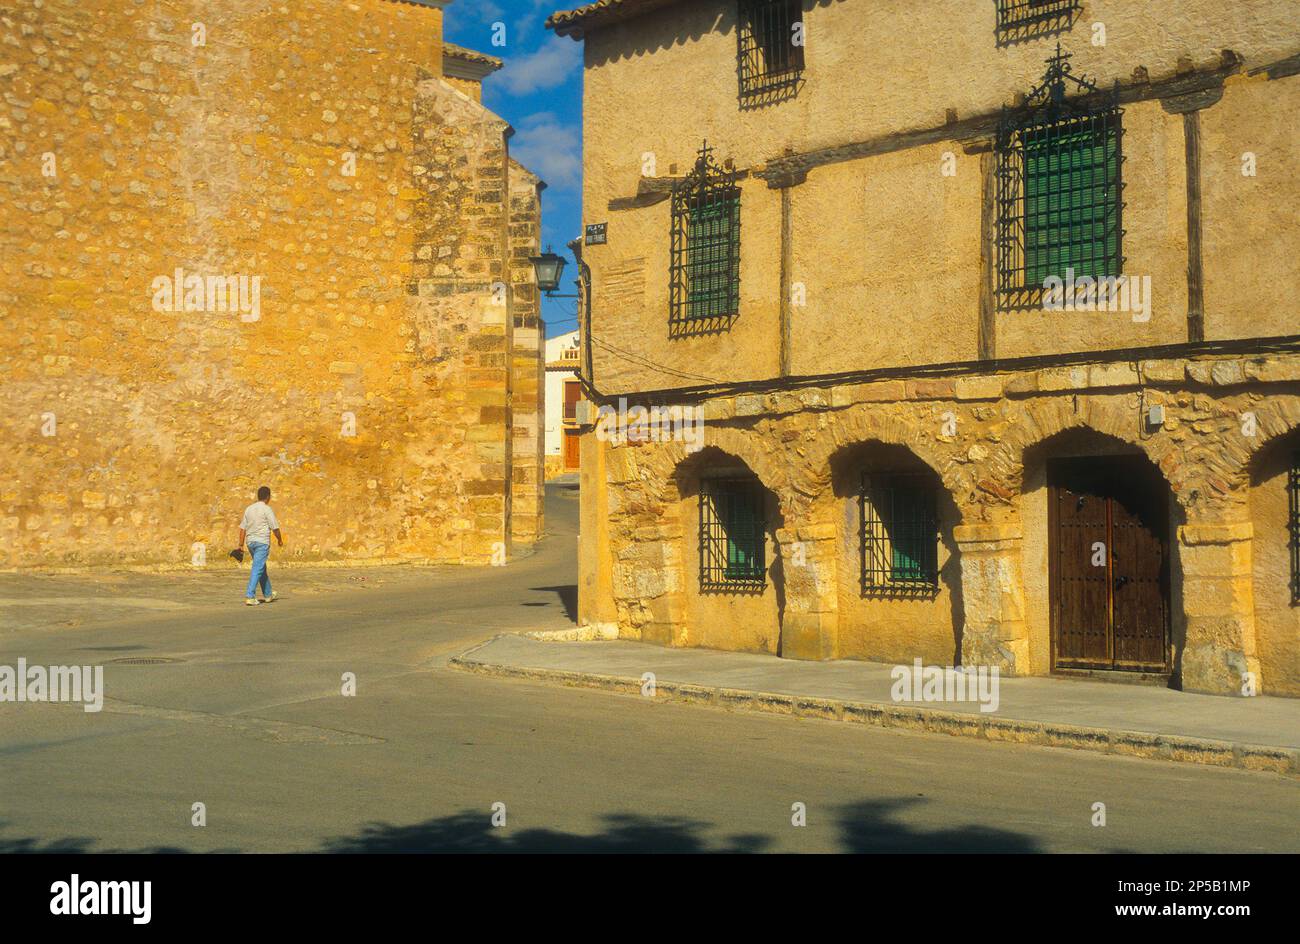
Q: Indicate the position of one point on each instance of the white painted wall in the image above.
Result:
(555, 391)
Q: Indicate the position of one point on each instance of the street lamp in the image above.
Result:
(548, 268)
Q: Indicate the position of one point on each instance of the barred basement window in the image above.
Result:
(900, 534)
(1293, 525)
(1059, 188)
(1021, 20)
(732, 529)
(770, 49)
(704, 283)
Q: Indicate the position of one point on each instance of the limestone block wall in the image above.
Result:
(1228, 536)
(528, 359)
(464, 314)
(309, 153)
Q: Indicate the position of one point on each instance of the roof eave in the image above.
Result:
(603, 13)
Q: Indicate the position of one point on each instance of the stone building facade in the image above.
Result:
(246, 243)
(832, 229)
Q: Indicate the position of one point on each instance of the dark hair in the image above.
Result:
(263, 493)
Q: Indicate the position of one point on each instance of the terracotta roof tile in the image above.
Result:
(470, 55)
(573, 22)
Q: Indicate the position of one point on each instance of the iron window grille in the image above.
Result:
(769, 38)
(1022, 20)
(899, 534)
(1059, 187)
(1293, 525)
(732, 535)
(704, 284)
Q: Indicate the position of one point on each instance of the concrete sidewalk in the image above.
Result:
(1251, 733)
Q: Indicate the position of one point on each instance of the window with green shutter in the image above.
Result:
(1071, 210)
(712, 251)
(899, 534)
(732, 535)
(704, 265)
(1059, 187)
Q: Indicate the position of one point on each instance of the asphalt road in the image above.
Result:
(249, 720)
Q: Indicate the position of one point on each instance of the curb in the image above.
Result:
(1176, 748)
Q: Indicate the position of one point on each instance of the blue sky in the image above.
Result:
(540, 93)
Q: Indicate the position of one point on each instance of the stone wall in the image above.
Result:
(868, 234)
(528, 393)
(312, 149)
(982, 435)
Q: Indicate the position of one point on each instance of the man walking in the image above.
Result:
(257, 527)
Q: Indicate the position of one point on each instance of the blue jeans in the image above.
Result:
(259, 574)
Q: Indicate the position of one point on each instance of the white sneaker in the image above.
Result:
(249, 601)
(272, 598)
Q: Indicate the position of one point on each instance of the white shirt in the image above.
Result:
(259, 521)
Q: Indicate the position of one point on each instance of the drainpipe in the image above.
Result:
(584, 316)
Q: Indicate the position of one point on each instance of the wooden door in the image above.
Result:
(1108, 565)
(1139, 569)
(572, 394)
(1082, 598)
(571, 449)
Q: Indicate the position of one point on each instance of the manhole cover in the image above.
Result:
(143, 660)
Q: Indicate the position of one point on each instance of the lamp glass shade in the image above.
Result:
(548, 267)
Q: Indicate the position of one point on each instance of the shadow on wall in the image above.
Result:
(690, 22)
(865, 826)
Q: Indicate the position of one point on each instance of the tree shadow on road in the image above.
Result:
(868, 826)
(472, 831)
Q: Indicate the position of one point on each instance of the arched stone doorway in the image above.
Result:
(1099, 558)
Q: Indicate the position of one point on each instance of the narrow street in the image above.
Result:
(247, 718)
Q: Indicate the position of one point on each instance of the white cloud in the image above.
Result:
(550, 149)
(546, 68)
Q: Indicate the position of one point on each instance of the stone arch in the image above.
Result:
(1277, 420)
(1083, 440)
(864, 423)
(720, 619)
(1115, 416)
(881, 623)
(660, 462)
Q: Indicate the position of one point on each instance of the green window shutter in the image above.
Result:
(732, 533)
(713, 258)
(742, 524)
(911, 533)
(900, 533)
(1071, 200)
